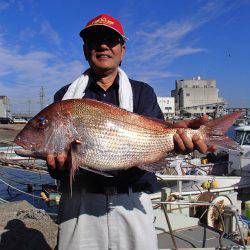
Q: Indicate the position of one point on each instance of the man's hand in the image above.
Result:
(183, 144)
(57, 162)
(63, 159)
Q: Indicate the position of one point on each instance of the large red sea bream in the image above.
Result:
(110, 138)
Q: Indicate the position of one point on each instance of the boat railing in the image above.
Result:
(164, 204)
(8, 157)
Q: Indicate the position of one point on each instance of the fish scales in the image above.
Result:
(119, 141)
(112, 141)
(108, 137)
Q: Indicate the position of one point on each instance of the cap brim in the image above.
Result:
(82, 32)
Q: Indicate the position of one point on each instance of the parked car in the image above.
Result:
(6, 120)
(19, 120)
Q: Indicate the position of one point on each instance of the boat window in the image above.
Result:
(239, 136)
(247, 139)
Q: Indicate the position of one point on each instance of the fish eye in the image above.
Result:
(41, 122)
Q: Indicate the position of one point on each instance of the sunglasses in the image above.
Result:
(110, 38)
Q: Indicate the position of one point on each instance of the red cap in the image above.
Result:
(105, 20)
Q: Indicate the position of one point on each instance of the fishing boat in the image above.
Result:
(239, 160)
(201, 220)
(212, 206)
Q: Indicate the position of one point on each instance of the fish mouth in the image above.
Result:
(29, 153)
(24, 152)
(18, 140)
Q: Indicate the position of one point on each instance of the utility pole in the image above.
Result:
(41, 94)
(29, 104)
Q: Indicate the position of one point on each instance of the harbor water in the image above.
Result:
(17, 184)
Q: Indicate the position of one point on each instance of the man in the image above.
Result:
(102, 212)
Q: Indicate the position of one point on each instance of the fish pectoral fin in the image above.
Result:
(156, 166)
(97, 172)
(74, 160)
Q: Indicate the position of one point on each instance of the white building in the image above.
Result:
(4, 106)
(167, 105)
(197, 96)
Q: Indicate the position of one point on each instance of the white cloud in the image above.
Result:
(27, 34)
(162, 43)
(22, 74)
(50, 33)
(187, 51)
(151, 76)
(4, 5)
(157, 45)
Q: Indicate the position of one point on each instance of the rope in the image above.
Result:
(2, 200)
(32, 195)
(21, 182)
(38, 171)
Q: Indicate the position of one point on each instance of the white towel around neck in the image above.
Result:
(77, 88)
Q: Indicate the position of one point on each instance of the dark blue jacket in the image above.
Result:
(145, 103)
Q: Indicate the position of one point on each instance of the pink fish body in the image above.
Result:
(110, 138)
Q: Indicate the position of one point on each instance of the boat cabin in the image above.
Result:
(239, 160)
(242, 135)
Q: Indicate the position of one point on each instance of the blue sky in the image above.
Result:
(168, 40)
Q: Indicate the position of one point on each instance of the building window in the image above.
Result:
(168, 108)
(187, 94)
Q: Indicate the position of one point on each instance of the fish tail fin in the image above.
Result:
(216, 129)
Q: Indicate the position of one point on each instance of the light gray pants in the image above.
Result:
(97, 221)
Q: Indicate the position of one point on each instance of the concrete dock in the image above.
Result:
(22, 226)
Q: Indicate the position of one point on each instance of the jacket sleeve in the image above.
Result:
(148, 105)
(60, 93)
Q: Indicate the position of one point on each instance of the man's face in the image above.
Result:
(104, 49)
